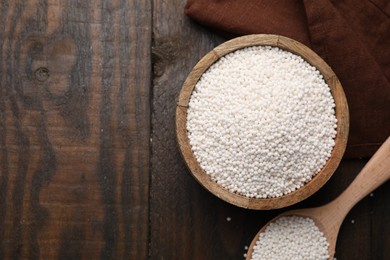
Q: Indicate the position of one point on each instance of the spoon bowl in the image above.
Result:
(329, 217)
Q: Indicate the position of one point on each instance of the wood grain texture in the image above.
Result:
(341, 112)
(180, 210)
(74, 141)
(74, 120)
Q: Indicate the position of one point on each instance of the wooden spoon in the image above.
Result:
(329, 217)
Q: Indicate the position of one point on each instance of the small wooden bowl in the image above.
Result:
(341, 109)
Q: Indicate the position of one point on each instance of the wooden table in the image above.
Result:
(89, 165)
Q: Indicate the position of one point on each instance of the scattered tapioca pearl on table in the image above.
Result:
(261, 122)
(291, 237)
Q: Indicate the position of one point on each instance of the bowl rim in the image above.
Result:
(341, 109)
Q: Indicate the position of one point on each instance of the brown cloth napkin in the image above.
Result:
(352, 36)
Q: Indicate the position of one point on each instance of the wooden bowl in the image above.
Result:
(341, 110)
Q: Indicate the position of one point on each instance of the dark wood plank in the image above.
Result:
(355, 231)
(180, 209)
(74, 129)
(380, 223)
(187, 222)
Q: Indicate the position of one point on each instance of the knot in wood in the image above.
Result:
(41, 74)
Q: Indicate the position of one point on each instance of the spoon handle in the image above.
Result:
(374, 173)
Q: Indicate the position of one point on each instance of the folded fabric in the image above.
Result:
(353, 37)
